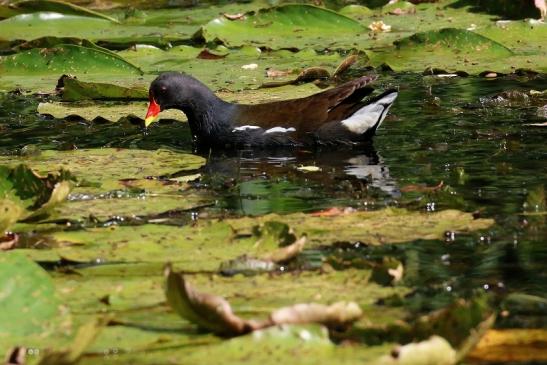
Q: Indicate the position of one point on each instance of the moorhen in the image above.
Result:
(335, 116)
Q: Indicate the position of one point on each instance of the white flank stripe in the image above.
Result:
(280, 130)
(369, 115)
(244, 128)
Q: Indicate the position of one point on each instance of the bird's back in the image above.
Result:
(309, 113)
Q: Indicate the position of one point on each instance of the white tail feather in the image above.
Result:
(371, 115)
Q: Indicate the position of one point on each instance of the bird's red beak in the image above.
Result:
(153, 111)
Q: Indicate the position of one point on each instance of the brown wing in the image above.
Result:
(309, 113)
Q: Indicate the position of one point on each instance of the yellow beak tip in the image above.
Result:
(150, 120)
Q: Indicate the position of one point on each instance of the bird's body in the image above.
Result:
(335, 116)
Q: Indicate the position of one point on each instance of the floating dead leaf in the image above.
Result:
(436, 350)
(208, 311)
(287, 253)
(270, 72)
(270, 233)
(345, 64)
(234, 16)
(379, 27)
(337, 315)
(215, 314)
(421, 188)
(9, 241)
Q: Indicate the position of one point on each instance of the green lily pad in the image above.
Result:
(111, 112)
(112, 182)
(66, 58)
(399, 8)
(30, 307)
(186, 246)
(448, 49)
(74, 90)
(105, 165)
(35, 195)
(34, 6)
(9, 214)
(357, 12)
(288, 26)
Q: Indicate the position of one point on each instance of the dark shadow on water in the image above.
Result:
(504, 9)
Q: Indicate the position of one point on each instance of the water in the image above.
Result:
(488, 159)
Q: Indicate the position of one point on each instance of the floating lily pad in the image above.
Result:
(357, 12)
(288, 26)
(112, 182)
(111, 164)
(448, 49)
(186, 246)
(30, 307)
(74, 90)
(67, 58)
(34, 6)
(112, 112)
(33, 194)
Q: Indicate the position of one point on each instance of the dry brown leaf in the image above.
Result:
(215, 314)
(208, 311)
(276, 73)
(336, 315)
(287, 253)
(345, 64)
(234, 16)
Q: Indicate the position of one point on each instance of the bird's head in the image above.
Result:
(170, 90)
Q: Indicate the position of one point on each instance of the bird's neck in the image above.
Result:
(208, 116)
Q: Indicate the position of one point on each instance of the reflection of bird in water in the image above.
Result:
(275, 179)
(375, 171)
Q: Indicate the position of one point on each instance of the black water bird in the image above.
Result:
(340, 115)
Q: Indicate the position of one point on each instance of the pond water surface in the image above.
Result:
(440, 130)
